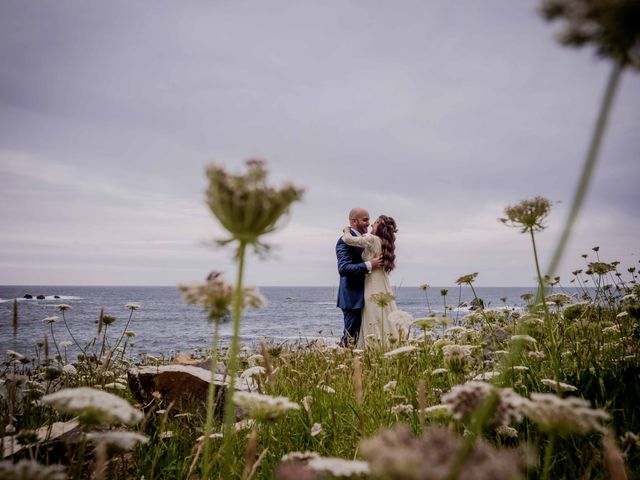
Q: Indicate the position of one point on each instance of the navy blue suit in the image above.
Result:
(352, 272)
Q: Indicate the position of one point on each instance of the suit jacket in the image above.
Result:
(352, 272)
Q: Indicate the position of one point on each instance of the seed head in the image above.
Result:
(528, 214)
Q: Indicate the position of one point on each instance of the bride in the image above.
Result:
(375, 314)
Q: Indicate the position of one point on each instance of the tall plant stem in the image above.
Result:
(206, 461)
(229, 414)
(124, 330)
(54, 341)
(589, 164)
(64, 319)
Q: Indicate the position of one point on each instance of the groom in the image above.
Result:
(352, 272)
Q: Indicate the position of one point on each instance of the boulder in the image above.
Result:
(28, 296)
(185, 386)
(56, 296)
(52, 439)
(40, 297)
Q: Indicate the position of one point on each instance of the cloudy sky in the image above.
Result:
(438, 113)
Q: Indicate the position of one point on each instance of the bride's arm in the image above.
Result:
(364, 241)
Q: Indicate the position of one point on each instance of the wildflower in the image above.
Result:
(507, 431)
(14, 355)
(611, 329)
(253, 360)
(535, 355)
(326, 388)
(246, 206)
(382, 299)
(30, 470)
(520, 368)
(93, 405)
(442, 342)
(456, 330)
(167, 434)
(528, 214)
(264, 407)
(213, 436)
(465, 399)
(402, 320)
(397, 454)
(299, 456)
(438, 411)
(65, 343)
(524, 339)
(108, 319)
(316, 429)
(120, 440)
(399, 351)
(253, 371)
(564, 415)
(357, 351)
(389, 387)
(424, 287)
(472, 318)
(424, 323)
(456, 356)
(468, 279)
(69, 369)
(115, 386)
(132, 306)
(402, 408)
(558, 386)
(601, 268)
(558, 299)
(486, 376)
(306, 403)
(130, 333)
(253, 298)
(439, 371)
(51, 319)
(338, 467)
(62, 307)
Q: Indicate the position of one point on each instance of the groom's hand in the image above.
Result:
(376, 262)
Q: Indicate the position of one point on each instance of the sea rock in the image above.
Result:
(52, 439)
(185, 386)
(186, 359)
(56, 296)
(40, 297)
(28, 296)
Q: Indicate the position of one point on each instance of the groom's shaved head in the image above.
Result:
(357, 213)
(359, 219)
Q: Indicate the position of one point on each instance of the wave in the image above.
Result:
(57, 298)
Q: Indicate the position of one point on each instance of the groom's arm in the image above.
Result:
(345, 267)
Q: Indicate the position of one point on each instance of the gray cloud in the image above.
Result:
(438, 114)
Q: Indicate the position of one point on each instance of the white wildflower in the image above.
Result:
(339, 467)
(402, 321)
(299, 456)
(524, 339)
(439, 371)
(520, 368)
(102, 406)
(253, 371)
(465, 399)
(65, 343)
(263, 407)
(326, 388)
(357, 351)
(69, 369)
(167, 434)
(62, 307)
(438, 411)
(130, 333)
(563, 387)
(507, 431)
(30, 470)
(558, 299)
(399, 351)
(255, 359)
(316, 429)
(535, 355)
(486, 376)
(51, 319)
(564, 415)
(14, 355)
(213, 436)
(115, 386)
(120, 440)
(389, 387)
(622, 314)
(455, 331)
(132, 306)
(402, 408)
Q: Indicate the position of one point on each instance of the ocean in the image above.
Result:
(164, 324)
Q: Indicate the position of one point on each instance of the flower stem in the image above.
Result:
(210, 403)
(229, 413)
(589, 164)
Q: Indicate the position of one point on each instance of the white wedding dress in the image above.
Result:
(374, 321)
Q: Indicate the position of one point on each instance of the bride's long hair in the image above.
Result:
(386, 230)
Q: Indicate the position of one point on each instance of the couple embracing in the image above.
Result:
(364, 262)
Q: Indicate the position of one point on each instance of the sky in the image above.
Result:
(437, 113)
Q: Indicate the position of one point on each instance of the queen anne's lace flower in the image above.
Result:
(120, 440)
(264, 407)
(253, 371)
(563, 387)
(399, 351)
(389, 387)
(316, 429)
(338, 467)
(299, 456)
(402, 408)
(30, 470)
(465, 399)
(103, 407)
(564, 415)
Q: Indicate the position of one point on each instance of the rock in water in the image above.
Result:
(40, 297)
(185, 385)
(28, 296)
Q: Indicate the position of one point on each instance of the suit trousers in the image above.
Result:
(352, 321)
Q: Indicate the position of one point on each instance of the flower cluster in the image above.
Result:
(338, 467)
(564, 415)
(263, 407)
(382, 299)
(465, 399)
(528, 214)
